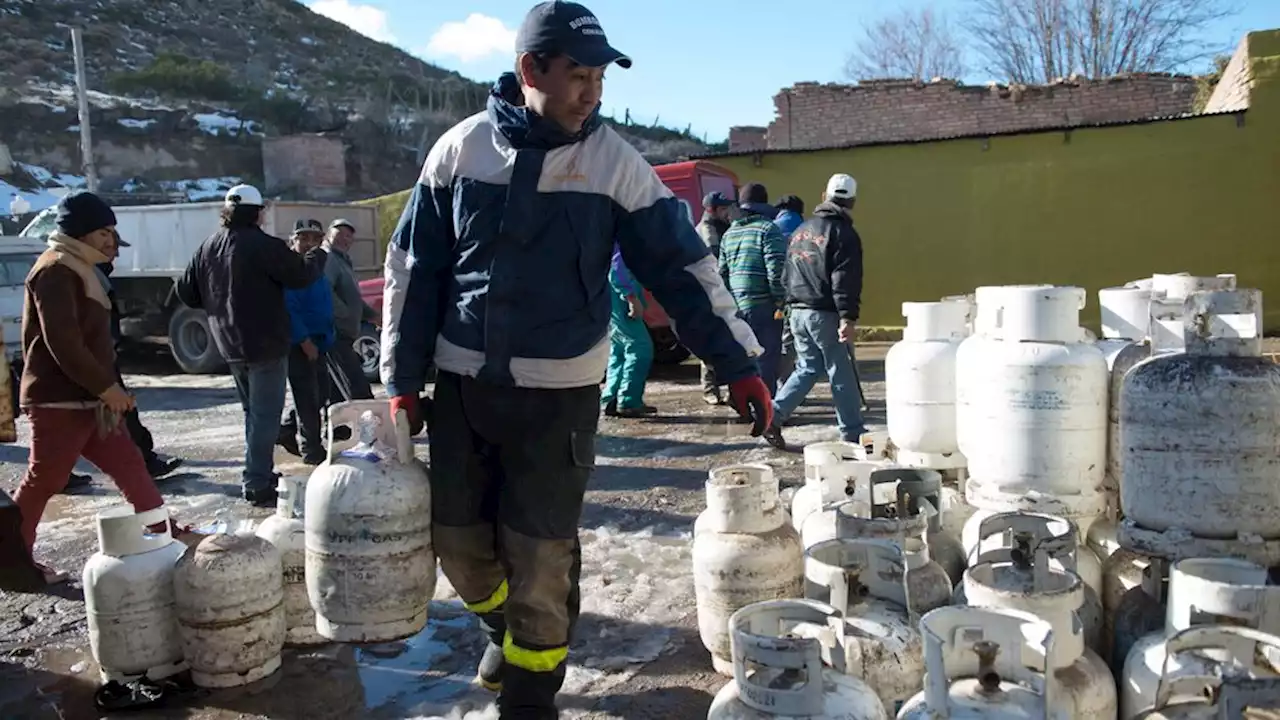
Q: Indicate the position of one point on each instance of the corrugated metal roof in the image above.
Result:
(970, 136)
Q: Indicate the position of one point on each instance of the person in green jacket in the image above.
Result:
(630, 347)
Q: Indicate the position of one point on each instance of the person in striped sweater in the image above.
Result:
(753, 252)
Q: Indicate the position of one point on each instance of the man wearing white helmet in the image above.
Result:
(238, 276)
(824, 288)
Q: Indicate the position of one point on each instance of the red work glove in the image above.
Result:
(750, 397)
(411, 405)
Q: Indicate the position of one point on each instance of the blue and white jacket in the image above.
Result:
(499, 268)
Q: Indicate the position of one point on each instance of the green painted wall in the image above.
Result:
(1090, 207)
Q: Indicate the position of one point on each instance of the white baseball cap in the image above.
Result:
(842, 186)
(244, 195)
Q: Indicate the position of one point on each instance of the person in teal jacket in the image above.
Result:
(630, 347)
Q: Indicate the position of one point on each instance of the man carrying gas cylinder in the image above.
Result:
(498, 273)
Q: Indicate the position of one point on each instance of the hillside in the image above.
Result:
(186, 91)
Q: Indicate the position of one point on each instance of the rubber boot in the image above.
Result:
(492, 664)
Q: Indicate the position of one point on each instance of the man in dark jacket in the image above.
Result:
(713, 225)
(498, 273)
(350, 311)
(824, 287)
(238, 276)
(312, 335)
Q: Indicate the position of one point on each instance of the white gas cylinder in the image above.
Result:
(370, 566)
(230, 597)
(903, 521)
(1126, 327)
(832, 473)
(744, 551)
(879, 641)
(1202, 591)
(1225, 695)
(1103, 541)
(286, 531)
(778, 675)
(983, 664)
(920, 381)
(1032, 404)
(1023, 539)
(1169, 291)
(1088, 566)
(1199, 431)
(128, 596)
(1024, 578)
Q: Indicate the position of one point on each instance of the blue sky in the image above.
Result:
(703, 63)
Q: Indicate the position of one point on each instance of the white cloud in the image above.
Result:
(364, 19)
(475, 38)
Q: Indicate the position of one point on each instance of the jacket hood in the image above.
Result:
(526, 129)
(765, 209)
(830, 209)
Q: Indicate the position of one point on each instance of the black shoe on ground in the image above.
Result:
(161, 466)
(264, 498)
(637, 412)
(76, 482)
(773, 436)
(489, 674)
(610, 408)
(314, 459)
(288, 439)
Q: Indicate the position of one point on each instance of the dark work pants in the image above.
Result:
(309, 386)
(509, 467)
(343, 354)
(139, 432)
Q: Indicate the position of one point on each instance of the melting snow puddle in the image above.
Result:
(635, 587)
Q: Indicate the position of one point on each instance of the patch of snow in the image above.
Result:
(220, 124)
(201, 188)
(73, 128)
(137, 124)
(308, 41)
(53, 187)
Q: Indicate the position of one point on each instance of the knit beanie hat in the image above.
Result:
(81, 213)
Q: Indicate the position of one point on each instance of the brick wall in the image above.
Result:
(812, 115)
(305, 167)
(745, 138)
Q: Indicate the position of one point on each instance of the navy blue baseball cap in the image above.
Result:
(716, 200)
(567, 28)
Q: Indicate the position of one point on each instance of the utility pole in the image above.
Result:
(82, 95)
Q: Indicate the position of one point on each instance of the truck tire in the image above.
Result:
(368, 347)
(191, 342)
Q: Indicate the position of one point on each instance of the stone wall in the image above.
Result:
(810, 115)
(307, 166)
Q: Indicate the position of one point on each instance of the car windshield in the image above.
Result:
(41, 226)
(14, 269)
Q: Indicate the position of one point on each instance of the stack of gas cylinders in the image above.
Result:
(346, 558)
(1054, 525)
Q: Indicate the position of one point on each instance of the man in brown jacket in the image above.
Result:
(69, 388)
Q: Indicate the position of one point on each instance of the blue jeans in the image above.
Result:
(769, 333)
(261, 386)
(818, 349)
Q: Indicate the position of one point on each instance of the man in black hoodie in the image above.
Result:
(238, 276)
(824, 287)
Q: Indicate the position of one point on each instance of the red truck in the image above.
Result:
(689, 181)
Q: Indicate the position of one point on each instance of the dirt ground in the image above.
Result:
(636, 653)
